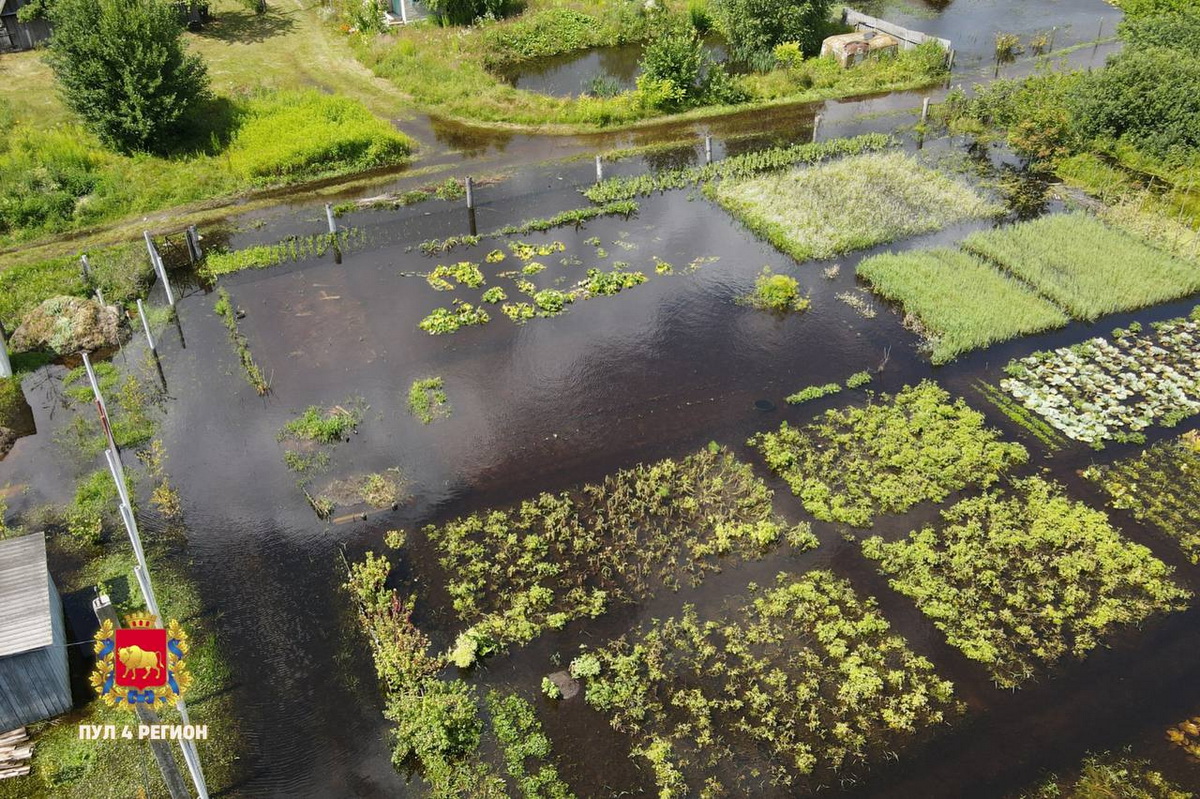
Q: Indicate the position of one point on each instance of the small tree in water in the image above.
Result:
(123, 67)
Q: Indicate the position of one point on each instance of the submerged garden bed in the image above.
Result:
(1104, 390)
(513, 573)
(856, 463)
(1161, 486)
(1020, 579)
(805, 678)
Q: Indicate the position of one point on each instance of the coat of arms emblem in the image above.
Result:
(140, 663)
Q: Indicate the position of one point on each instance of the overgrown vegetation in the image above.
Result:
(855, 463)
(804, 679)
(554, 558)
(225, 309)
(1161, 486)
(779, 293)
(62, 178)
(957, 301)
(323, 425)
(1099, 390)
(1018, 581)
(427, 399)
(133, 400)
(1084, 266)
(121, 273)
(293, 248)
(736, 167)
(849, 204)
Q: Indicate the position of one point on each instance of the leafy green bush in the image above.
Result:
(776, 293)
(307, 133)
(855, 463)
(1019, 581)
(522, 740)
(124, 69)
(754, 27)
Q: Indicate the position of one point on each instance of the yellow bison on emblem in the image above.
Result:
(135, 659)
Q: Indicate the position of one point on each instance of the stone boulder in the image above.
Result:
(66, 325)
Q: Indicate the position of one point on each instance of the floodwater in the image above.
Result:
(656, 371)
(573, 74)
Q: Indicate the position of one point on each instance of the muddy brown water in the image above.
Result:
(656, 371)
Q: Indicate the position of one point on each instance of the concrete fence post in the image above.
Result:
(950, 59)
(100, 298)
(157, 262)
(6, 369)
(924, 109)
(329, 218)
(816, 126)
(470, 186)
(87, 269)
(599, 169)
(708, 148)
(146, 327)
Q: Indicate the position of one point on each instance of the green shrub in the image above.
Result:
(776, 293)
(754, 27)
(124, 68)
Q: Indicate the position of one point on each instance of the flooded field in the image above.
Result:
(655, 371)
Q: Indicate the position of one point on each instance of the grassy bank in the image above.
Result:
(61, 179)
(454, 71)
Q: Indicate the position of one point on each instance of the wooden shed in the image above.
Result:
(18, 35)
(35, 681)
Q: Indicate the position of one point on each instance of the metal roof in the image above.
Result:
(25, 622)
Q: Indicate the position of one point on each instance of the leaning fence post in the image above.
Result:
(329, 218)
(816, 126)
(924, 109)
(157, 262)
(146, 326)
(5, 364)
(87, 269)
(708, 148)
(950, 59)
(470, 185)
(100, 298)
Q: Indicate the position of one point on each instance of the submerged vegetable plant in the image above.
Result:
(804, 679)
(855, 463)
(427, 399)
(512, 573)
(1020, 580)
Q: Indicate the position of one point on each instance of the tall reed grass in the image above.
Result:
(1085, 266)
(849, 204)
(959, 302)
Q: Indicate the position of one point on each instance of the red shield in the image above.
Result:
(141, 658)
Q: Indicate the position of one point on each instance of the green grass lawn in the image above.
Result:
(961, 302)
(1085, 266)
(845, 205)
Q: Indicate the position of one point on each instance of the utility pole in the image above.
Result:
(142, 571)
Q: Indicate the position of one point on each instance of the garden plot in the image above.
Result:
(513, 573)
(1112, 390)
(806, 678)
(1085, 266)
(1160, 486)
(1018, 580)
(958, 301)
(849, 204)
(855, 463)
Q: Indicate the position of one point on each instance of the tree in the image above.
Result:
(754, 27)
(123, 67)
